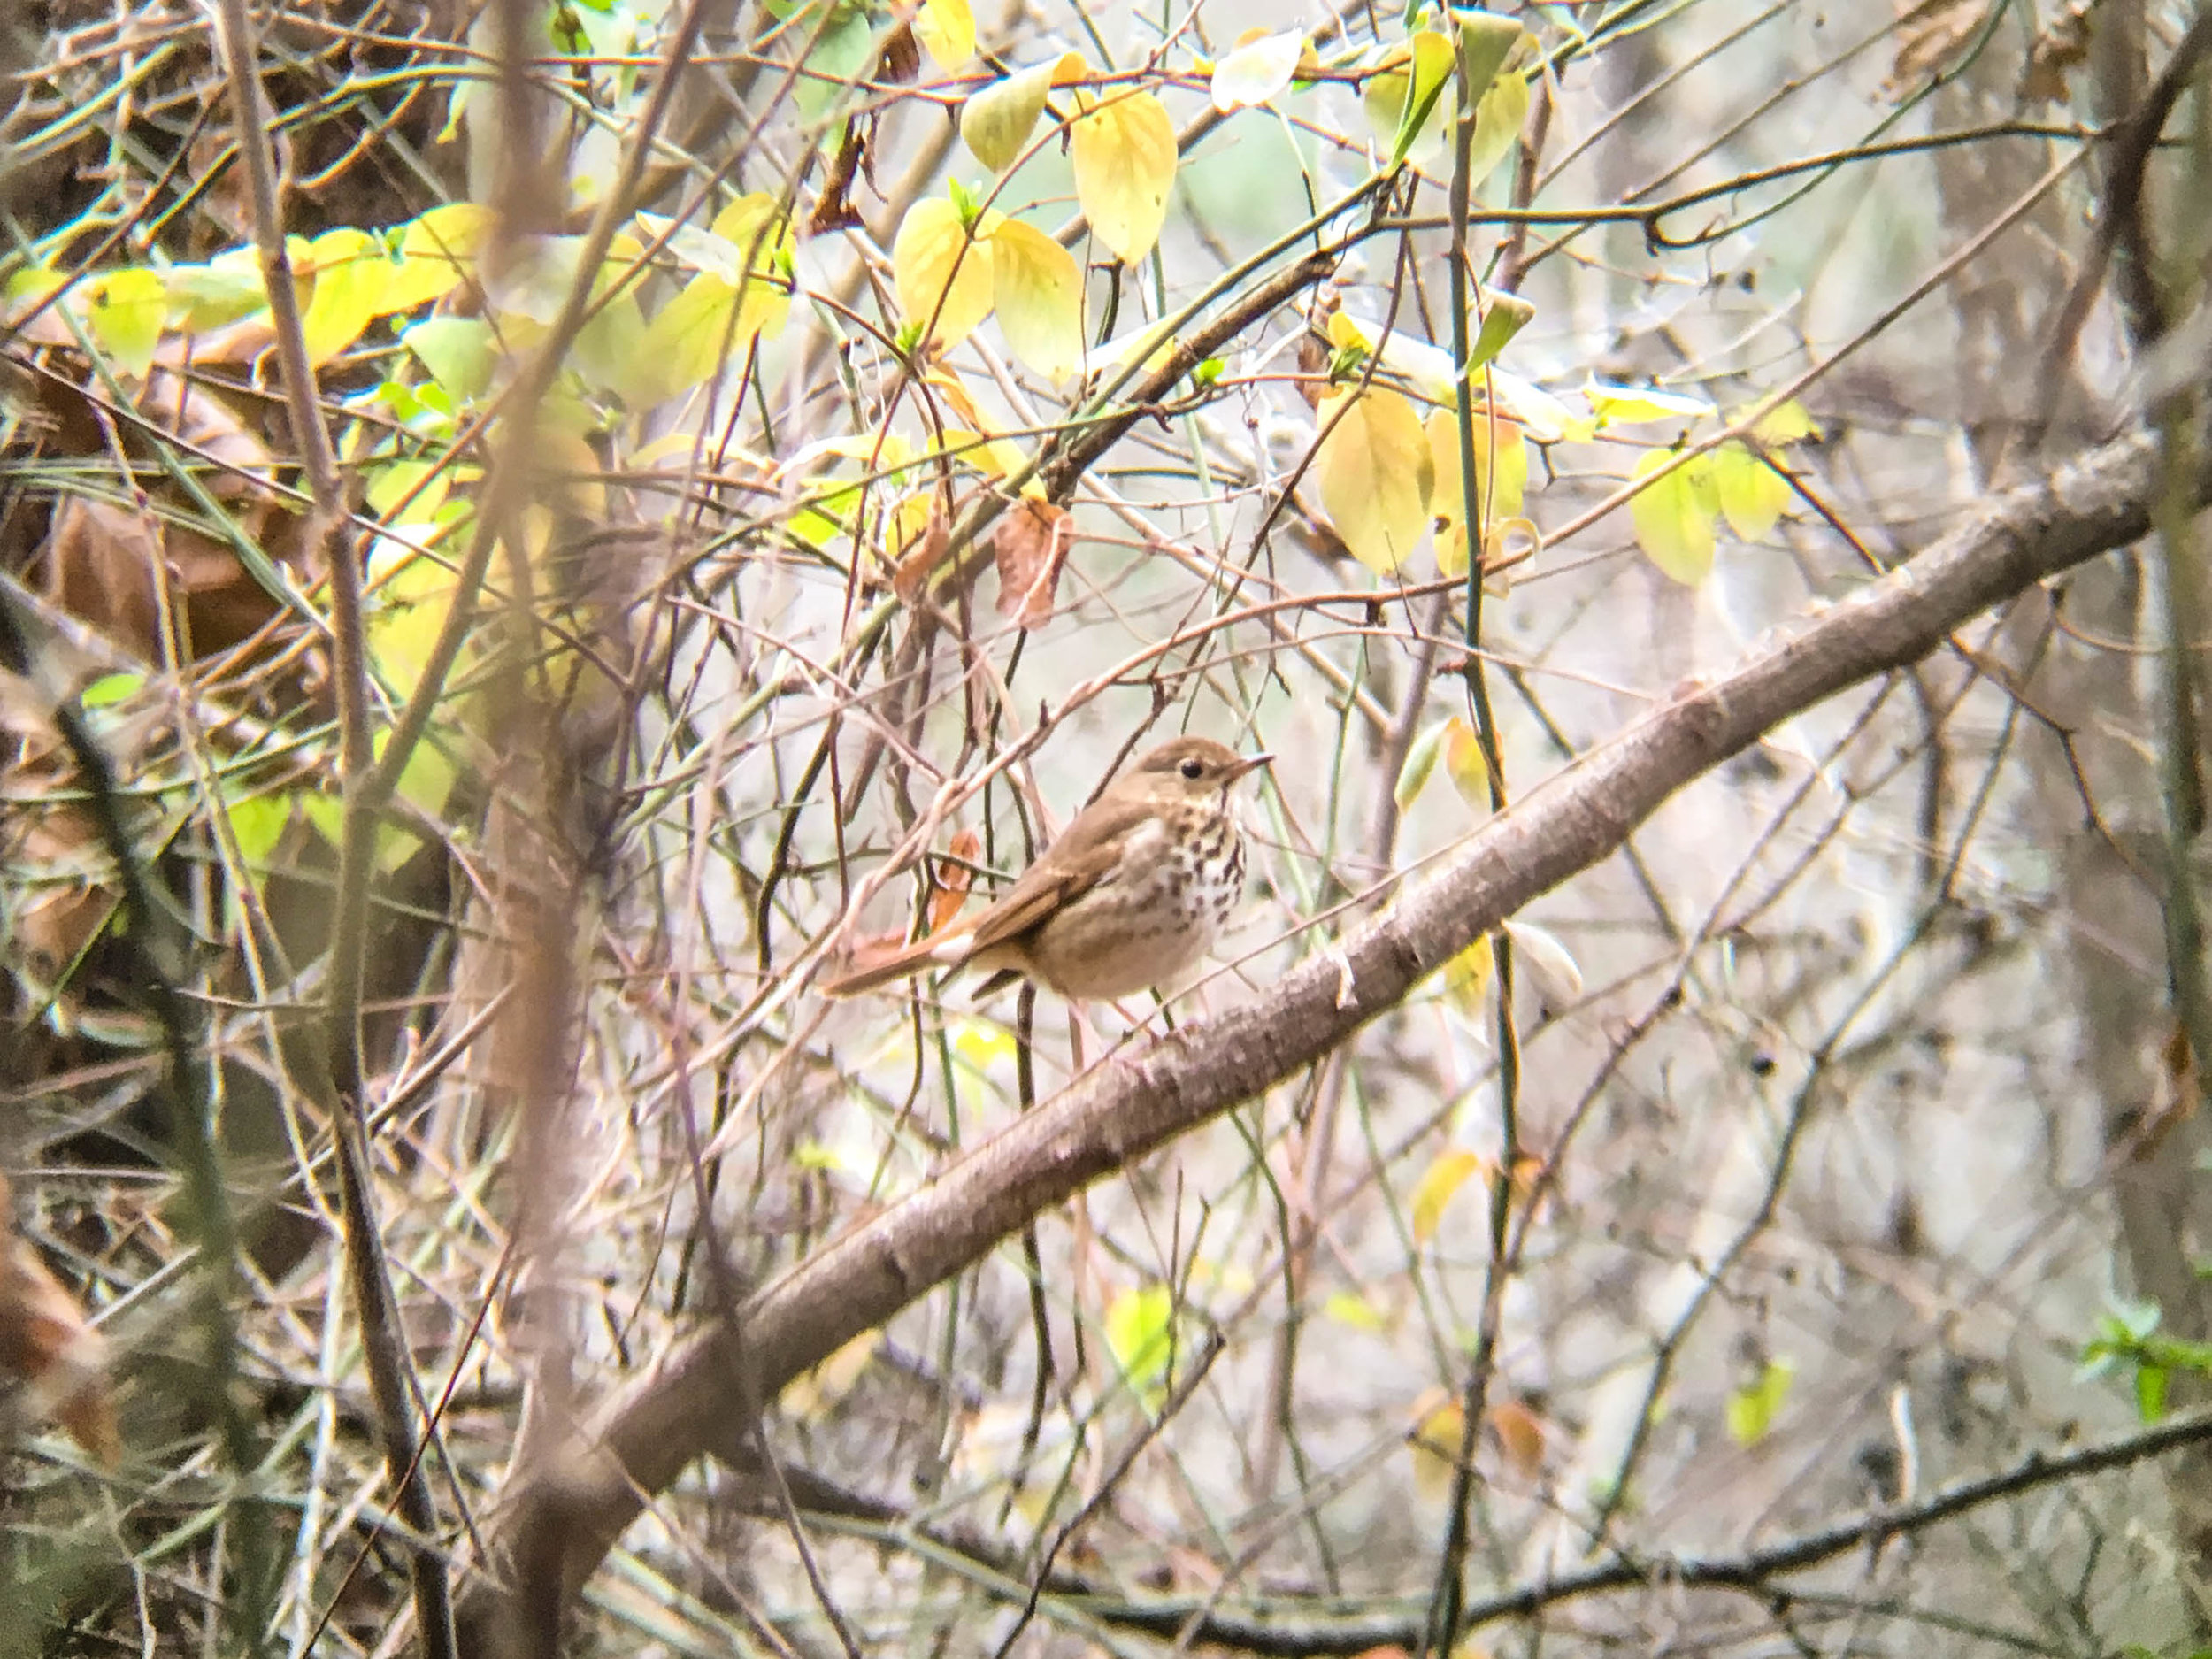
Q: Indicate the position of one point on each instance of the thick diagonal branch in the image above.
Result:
(692, 1405)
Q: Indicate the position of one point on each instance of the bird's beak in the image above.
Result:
(1249, 763)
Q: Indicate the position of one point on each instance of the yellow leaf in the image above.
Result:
(1439, 1426)
(1356, 1311)
(1125, 165)
(1546, 418)
(1786, 423)
(1463, 759)
(1257, 70)
(124, 311)
(436, 251)
(1439, 1182)
(982, 1046)
(1139, 1325)
(1674, 516)
(943, 273)
(992, 456)
(1632, 405)
(1467, 976)
(1501, 481)
(1752, 1408)
(1752, 495)
(708, 326)
(1420, 760)
(1038, 289)
(755, 226)
(946, 30)
(1376, 475)
(997, 123)
(352, 276)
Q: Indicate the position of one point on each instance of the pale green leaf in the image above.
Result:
(997, 123)
(1674, 516)
(1752, 495)
(1413, 777)
(124, 311)
(1485, 40)
(1752, 1408)
(1140, 1326)
(1257, 70)
(1505, 317)
(457, 352)
(1499, 119)
(1551, 966)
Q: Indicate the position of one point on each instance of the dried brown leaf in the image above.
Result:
(910, 575)
(1031, 543)
(1520, 1433)
(47, 1346)
(954, 875)
(2062, 45)
(1929, 36)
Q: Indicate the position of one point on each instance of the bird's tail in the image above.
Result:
(907, 960)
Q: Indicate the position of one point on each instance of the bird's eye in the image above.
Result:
(1193, 769)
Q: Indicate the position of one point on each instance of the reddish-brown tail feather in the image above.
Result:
(914, 958)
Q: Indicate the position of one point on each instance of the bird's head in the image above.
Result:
(1191, 768)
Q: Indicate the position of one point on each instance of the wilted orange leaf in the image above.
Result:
(1031, 543)
(910, 575)
(1520, 1433)
(954, 873)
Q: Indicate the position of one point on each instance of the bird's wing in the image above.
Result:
(1086, 854)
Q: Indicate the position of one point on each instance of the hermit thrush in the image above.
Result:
(1132, 893)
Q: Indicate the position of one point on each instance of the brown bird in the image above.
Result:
(1131, 894)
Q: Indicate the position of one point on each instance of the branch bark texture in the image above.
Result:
(692, 1404)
